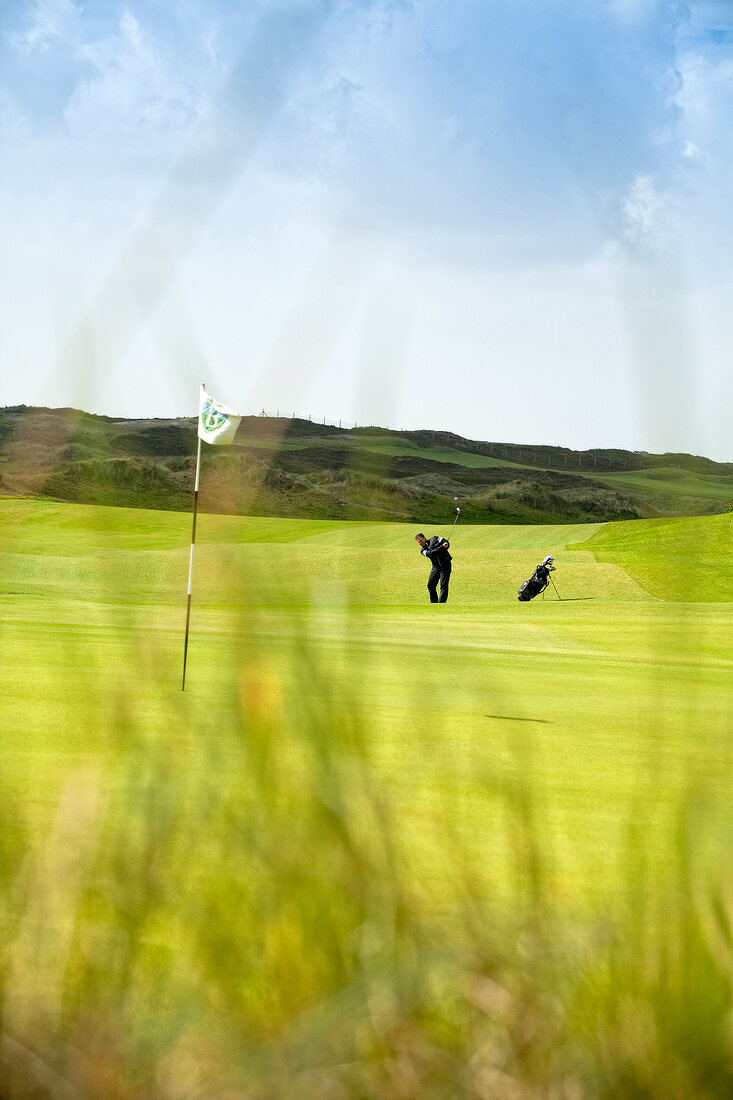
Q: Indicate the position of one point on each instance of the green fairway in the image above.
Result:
(673, 559)
(343, 750)
(434, 454)
(393, 448)
(596, 691)
(672, 481)
(389, 446)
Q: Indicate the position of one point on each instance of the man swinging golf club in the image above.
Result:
(435, 549)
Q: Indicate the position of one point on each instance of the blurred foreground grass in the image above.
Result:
(367, 853)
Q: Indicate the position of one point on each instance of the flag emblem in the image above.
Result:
(212, 418)
(217, 423)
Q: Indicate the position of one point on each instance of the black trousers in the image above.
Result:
(442, 575)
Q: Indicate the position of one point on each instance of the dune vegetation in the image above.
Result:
(280, 466)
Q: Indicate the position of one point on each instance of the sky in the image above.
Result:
(510, 219)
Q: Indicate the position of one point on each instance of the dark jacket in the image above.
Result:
(435, 550)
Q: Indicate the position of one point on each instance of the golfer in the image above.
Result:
(435, 549)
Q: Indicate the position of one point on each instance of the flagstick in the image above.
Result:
(190, 566)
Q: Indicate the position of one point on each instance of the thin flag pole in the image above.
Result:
(193, 541)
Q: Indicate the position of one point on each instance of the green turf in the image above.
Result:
(390, 446)
(673, 559)
(673, 481)
(106, 581)
(345, 757)
(393, 447)
(434, 454)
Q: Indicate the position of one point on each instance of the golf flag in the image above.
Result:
(217, 423)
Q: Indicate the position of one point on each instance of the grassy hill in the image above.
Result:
(284, 467)
(672, 559)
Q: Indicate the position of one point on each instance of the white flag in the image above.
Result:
(217, 423)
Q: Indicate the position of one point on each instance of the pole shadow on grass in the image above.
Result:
(516, 718)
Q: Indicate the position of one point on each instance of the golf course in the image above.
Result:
(374, 840)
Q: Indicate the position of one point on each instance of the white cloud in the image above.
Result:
(50, 21)
(135, 85)
(646, 213)
(705, 100)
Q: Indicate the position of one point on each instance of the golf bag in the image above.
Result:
(538, 582)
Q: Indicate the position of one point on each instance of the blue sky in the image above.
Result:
(507, 218)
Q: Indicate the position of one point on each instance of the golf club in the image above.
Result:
(455, 521)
